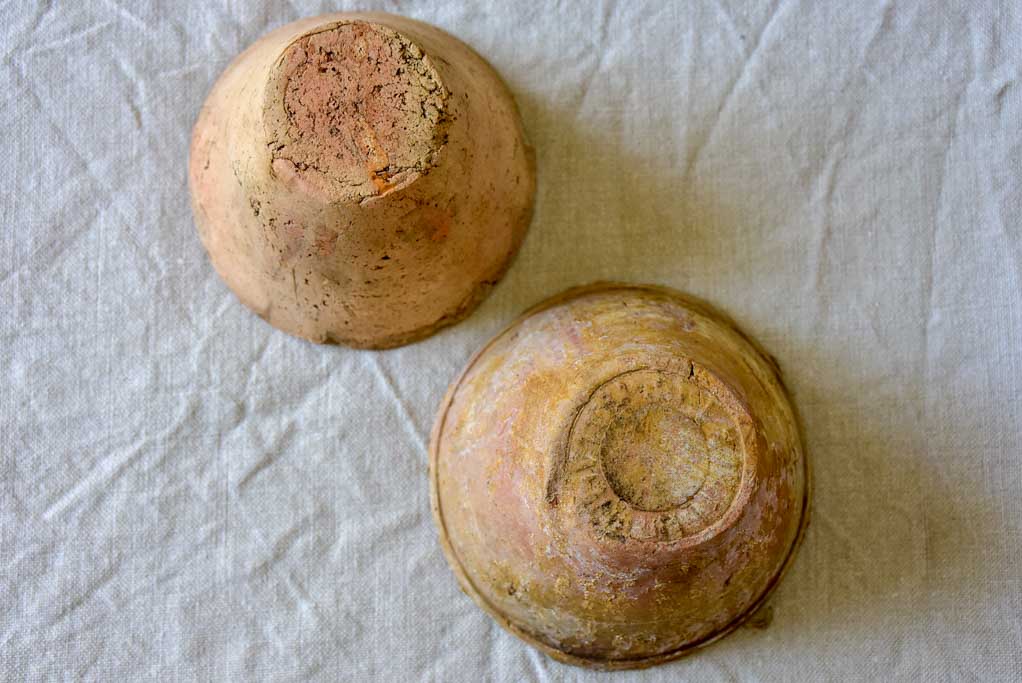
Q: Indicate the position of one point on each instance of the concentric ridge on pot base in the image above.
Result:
(361, 179)
(536, 476)
(655, 454)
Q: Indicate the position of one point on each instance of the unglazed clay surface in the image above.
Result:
(360, 178)
(618, 477)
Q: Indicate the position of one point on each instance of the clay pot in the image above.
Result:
(360, 178)
(618, 476)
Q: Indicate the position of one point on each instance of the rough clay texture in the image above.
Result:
(360, 178)
(363, 112)
(618, 477)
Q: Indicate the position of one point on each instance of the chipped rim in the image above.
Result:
(465, 582)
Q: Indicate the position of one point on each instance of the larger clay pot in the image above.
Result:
(360, 178)
(618, 477)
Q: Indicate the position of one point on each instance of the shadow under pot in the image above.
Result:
(618, 477)
(360, 178)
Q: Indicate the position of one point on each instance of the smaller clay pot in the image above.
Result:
(618, 477)
(360, 178)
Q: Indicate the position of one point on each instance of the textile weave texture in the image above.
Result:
(188, 494)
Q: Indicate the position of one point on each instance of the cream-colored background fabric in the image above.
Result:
(187, 494)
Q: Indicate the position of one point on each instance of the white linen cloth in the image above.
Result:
(188, 494)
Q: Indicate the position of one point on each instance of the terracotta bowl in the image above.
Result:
(360, 178)
(618, 477)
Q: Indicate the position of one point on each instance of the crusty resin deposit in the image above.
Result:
(618, 477)
(360, 178)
